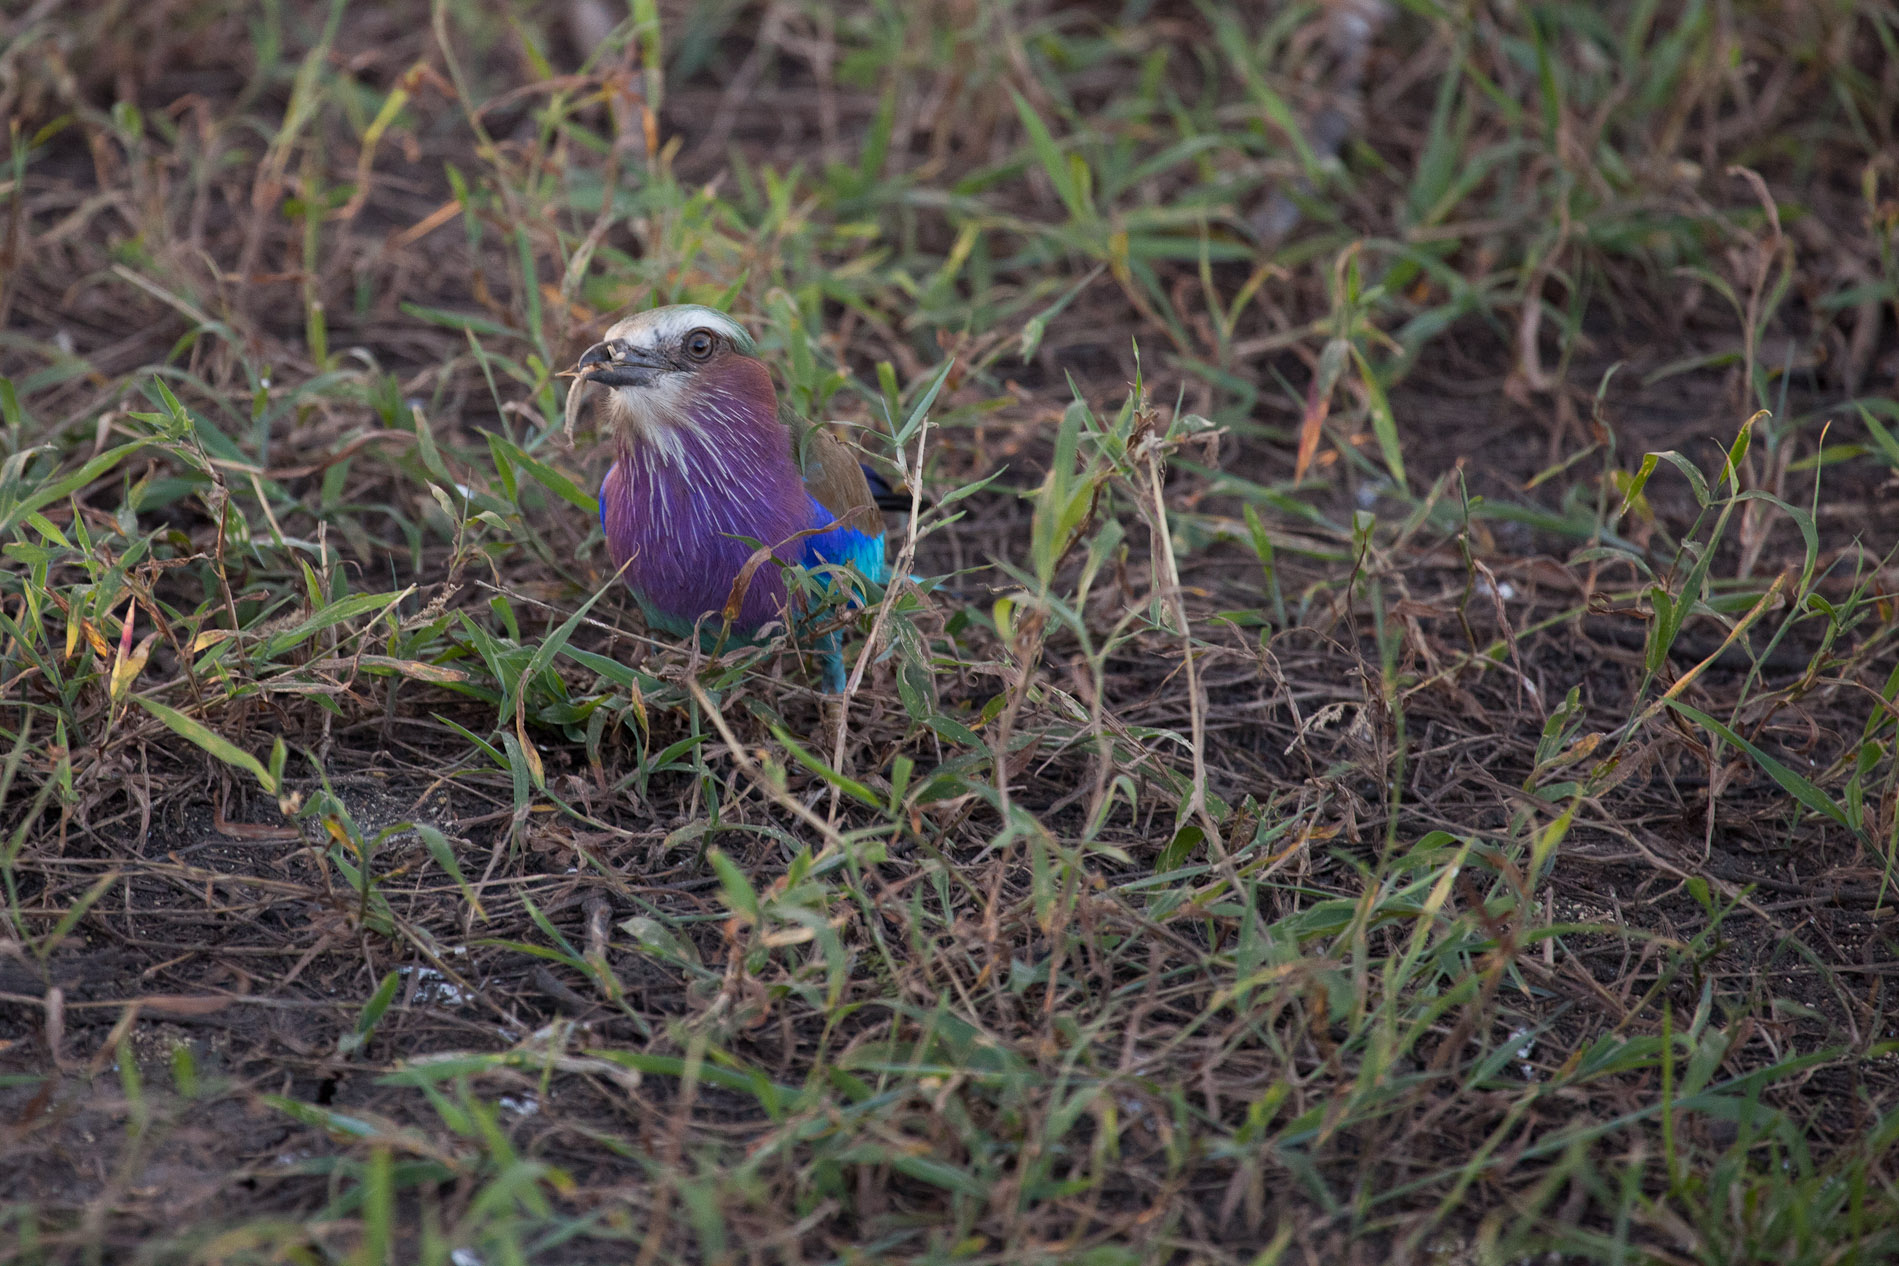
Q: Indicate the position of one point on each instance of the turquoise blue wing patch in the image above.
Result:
(861, 550)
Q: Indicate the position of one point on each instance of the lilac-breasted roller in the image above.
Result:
(708, 464)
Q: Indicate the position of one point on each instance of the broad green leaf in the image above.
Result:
(220, 747)
(1793, 784)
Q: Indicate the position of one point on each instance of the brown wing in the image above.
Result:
(832, 475)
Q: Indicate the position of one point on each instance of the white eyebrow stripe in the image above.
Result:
(663, 327)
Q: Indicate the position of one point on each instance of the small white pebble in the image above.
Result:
(1526, 1047)
(1504, 589)
(432, 987)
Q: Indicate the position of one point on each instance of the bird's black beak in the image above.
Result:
(627, 368)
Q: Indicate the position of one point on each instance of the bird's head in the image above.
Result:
(683, 366)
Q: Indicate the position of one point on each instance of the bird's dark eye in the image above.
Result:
(699, 344)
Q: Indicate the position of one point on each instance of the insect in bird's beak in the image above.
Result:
(630, 367)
